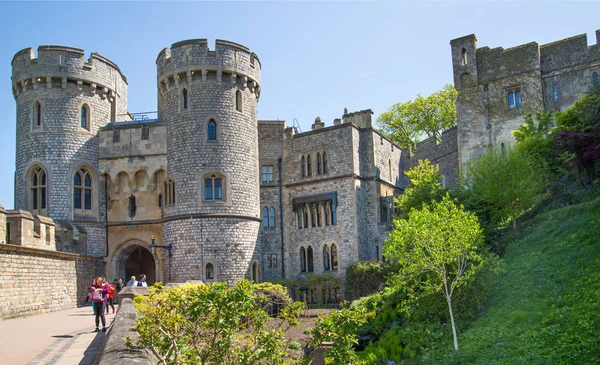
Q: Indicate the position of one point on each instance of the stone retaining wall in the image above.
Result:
(35, 281)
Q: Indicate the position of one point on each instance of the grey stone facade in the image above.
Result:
(547, 77)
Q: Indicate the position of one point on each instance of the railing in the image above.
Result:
(141, 116)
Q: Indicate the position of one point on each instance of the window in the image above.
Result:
(514, 99)
(334, 257)
(271, 260)
(265, 217)
(267, 174)
(309, 259)
(132, 206)
(170, 191)
(327, 214)
(300, 214)
(37, 115)
(387, 207)
(210, 271)
(213, 187)
(326, 262)
(184, 98)
(308, 166)
(238, 100)
(303, 166)
(595, 80)
(324, 162)
(160, 201)
(377, 253)
(313, 215)
(116, 135)
(38, 190)
(255, 272)
(302, 259)
(318, 163)
(82, 190)
(555, 92)
(305, 215)
(145, 132)
(464, 57)
(212, 130)
(272, 217)
(85, 116)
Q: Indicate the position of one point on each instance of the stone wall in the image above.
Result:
(442, 153)
(34, 281)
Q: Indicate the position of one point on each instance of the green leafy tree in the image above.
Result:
(436, 250)
(534, 136)
(213, 324)
(408, 123)
(501, 185)
(340, 328)
(425, 186)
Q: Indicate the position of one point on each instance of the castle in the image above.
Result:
(226, 196)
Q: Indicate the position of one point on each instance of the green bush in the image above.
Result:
(364, 278)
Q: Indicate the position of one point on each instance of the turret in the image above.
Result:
(464, 61)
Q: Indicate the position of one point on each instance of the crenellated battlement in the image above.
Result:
(60, 66)
(192, 61)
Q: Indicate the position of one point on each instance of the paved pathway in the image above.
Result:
(59, 338)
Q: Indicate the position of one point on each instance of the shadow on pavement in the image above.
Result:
(93, 350)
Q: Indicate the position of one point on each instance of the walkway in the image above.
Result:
(60, 338)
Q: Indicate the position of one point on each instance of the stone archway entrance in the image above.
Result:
(133, 259)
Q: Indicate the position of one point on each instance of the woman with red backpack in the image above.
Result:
(111, 295)
(98, 295)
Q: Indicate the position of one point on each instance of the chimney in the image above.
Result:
(318, 124)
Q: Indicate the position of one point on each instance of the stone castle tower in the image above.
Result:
(208, 99)
(62, 102)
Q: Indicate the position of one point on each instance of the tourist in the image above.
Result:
(99, 298)
(118, 286)
(132, 282)
(111, 295)
(93, 305)
(142, 281)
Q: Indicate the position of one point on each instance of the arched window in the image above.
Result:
(38, 190)
(82, 190)
(213, 187)
(464, 57)
(272, 217)
(255, 272)
(299, 213)
(160, 201)
(132, 206)
(595, 80)
(327, 214)
(313, 215)
(326, 266)
(85, 116)
(303, 166)
(305, 213)
(212, 130)
(318, 163)
(170, 191)
(210, 271)
(238, 100)
(265, 217)
(324, 162)
(308, 166)
(37, 114)
(309, 259)
(184, 98)
(334, 257)
(302, 259)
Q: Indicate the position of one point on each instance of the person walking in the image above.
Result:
(98, 294)
(142, 281)
(118, 286)
(111, 295)
(93, 304)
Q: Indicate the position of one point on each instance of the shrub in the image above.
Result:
(364, 278)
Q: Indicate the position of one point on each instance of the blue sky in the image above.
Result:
(317, 57)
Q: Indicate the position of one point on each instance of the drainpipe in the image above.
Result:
(279, 163)
(106, 210)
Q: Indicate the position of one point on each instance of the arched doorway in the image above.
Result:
(255, 272)
(141, 262)
(133, 259)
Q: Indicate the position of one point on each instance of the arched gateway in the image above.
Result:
(133, 259)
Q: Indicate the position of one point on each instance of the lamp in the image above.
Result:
(154, 246)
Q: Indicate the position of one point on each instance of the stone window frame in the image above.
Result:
(170, 189)
(205, 264)
(28, 187)
(271, 261)
(225, 188)
(37, 117)
(239, 101)
(85, 123)
(219, 131)
(89, 118)
(324, 167)
(184, 99)
(264, 175)
(94, 177)
(255, 271)
(464, 60)
(305, 268)
(268, 219)
(333, 251)
(326, 203)
(517, 97)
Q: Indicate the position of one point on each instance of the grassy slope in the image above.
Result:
(546, 306)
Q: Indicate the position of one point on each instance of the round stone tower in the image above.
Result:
(62, 101)
(212, 214)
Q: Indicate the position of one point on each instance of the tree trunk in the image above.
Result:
(453, 326)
